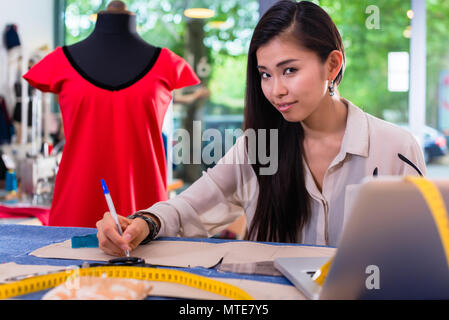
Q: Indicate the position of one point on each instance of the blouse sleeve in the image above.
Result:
(45, 75)
(183, 74)
(213, 202)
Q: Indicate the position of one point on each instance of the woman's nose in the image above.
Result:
(279, 88)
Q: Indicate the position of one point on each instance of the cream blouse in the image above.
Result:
(231, 189)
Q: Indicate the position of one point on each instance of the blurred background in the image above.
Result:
(397, 69)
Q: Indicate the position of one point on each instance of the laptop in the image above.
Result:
(390, 248)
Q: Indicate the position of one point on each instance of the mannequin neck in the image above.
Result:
(113, 23)
(113, 53)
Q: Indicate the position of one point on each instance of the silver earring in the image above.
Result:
(332, 89)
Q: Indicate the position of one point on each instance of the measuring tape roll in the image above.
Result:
(43, 282)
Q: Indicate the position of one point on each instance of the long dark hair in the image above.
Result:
(283, 207)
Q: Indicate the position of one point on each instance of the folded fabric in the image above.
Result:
(19, 212)
(95, 288)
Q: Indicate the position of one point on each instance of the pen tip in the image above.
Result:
(103, 185)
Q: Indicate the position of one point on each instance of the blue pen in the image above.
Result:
(112, 209)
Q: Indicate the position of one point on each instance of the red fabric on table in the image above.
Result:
(41, 213)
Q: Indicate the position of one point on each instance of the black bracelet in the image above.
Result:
(152, 226)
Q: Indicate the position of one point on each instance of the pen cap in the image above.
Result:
(105, 188)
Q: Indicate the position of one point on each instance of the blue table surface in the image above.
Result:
(17, 241)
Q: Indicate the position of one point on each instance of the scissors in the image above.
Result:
(122, 261)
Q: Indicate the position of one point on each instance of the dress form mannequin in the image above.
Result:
(114, 53)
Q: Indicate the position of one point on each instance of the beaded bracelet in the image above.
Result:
(152, 226)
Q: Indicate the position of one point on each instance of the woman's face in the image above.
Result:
(292, 78)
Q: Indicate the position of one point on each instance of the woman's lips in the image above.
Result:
(285, 106)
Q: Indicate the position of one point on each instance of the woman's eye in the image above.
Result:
(289, 70)
(264, 75)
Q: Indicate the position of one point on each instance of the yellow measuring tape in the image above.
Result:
(43, 282)
(434, 201)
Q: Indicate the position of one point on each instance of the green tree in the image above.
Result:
(366, 77)
(228, 93)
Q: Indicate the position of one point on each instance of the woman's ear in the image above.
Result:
(334, 64)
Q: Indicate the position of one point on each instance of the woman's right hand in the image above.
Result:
(109, 239)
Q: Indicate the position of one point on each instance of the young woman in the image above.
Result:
(325, 143)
